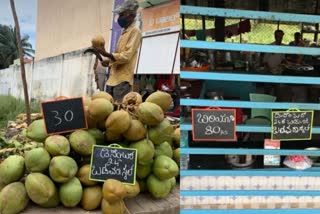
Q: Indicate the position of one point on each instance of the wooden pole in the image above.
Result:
(21, 56)
(219, 23)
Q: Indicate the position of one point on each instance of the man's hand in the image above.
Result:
(105, 62)
(104, 53)
(95, 64)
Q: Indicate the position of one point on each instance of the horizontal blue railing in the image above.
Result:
(222, 151)
(248, 104)
(250, 211)
(233, 13)
(312, 172)
(227, 76)
(247, 128)
(249, 193)
(249, 47)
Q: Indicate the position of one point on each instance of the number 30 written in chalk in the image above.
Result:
(68, 116)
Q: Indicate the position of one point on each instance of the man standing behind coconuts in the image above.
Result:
(123, 61)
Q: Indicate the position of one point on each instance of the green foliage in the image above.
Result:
(10, 107)
(9, 46)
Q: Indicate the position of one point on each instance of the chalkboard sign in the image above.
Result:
(62, 116)
(291, 125)
(214, 124)
(113, 162)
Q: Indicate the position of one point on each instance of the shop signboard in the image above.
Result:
(61, 116)
(214, 124)
(113, 162)
(291, 125)
(161, 19)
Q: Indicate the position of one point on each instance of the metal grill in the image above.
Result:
(262, 31)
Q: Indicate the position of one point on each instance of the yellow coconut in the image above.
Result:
(102, 94)
(100, 109)
(176, 137)
(83, 175)
(91, 198)
(132, 98)
(136, 131)
(113, 190)
(150, 114)
(160, 98)
(132, 190)
(118, 122)
(111, 137)
(112, 208)
(98, 41)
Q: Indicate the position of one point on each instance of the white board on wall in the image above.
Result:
(158, 54)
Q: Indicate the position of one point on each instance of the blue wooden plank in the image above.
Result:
(233, 13)
(222, 151)
(313, 172)
(248, 128)
(226, 76)
(248, 47)
(251, 211)
(249, 193)
(248, 104)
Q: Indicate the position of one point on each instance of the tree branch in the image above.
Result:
(23, 71)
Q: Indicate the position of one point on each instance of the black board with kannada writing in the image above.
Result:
(291, 125)
(214, 124)
(113, 162)
(63, 116)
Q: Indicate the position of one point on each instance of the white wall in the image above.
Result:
(69, 74)
(65, 26)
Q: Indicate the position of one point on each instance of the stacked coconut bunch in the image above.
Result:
(54, 170)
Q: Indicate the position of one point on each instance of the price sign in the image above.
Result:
(291, 125)
(214, 124)
(64, 115)
(113, 162)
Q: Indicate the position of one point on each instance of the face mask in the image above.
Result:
(122, 21)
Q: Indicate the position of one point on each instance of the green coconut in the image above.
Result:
(57, 145)
(145, 150)
(40, 188)
(161, 133)
(162, 99)
(13, 198)
(62, 169)
(37, 160)
(82, 142)
(70, 193)
(11, 169)
(37, 131)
